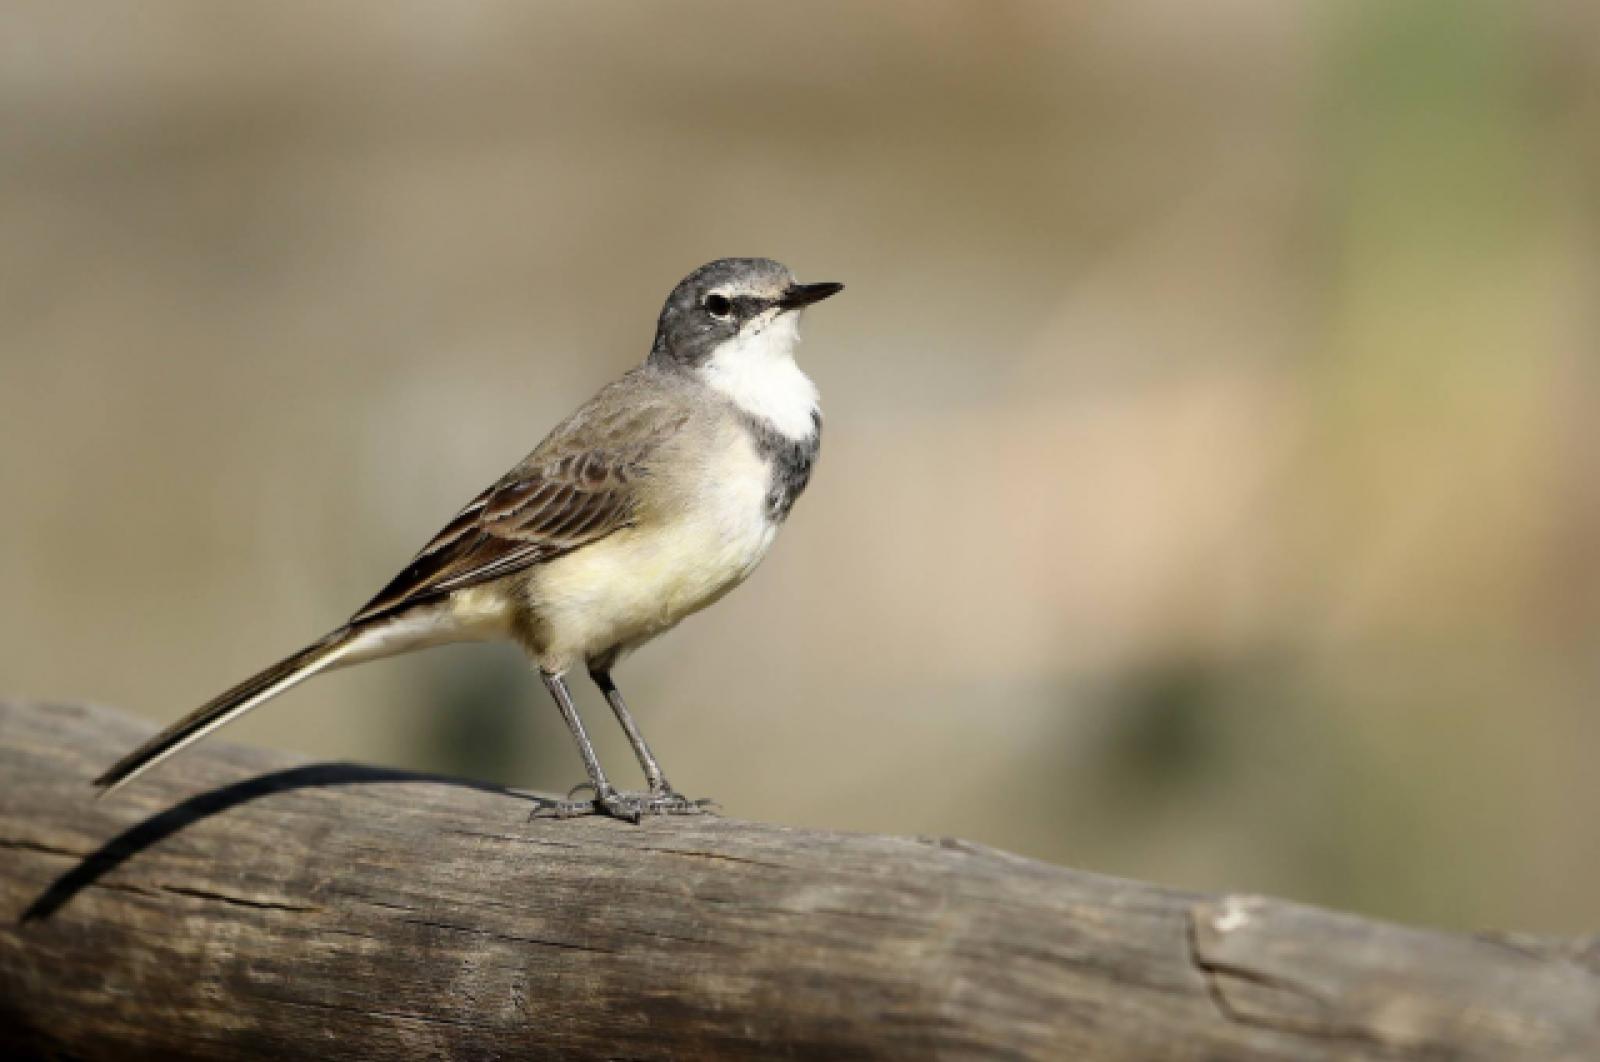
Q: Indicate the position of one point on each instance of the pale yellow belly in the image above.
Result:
(627, 588)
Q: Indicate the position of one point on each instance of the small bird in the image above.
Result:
(649, 503)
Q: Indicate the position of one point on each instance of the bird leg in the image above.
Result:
(608, 800)
(603, 790)
(662, 798)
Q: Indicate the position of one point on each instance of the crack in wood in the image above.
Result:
(41, 847)
(510, 938)
(1216, 973)
(238, 901)
(692, 853)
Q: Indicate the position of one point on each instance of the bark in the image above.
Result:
(239, 904)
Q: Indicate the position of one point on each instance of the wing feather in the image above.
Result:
(579, 486)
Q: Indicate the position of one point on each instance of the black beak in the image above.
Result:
(799, 295)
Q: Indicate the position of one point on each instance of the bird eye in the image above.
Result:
(719, 306)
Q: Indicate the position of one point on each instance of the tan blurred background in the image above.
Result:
(1210, 490)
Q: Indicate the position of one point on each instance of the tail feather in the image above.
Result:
(227, 707)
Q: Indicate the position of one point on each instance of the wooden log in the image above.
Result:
(238, 904)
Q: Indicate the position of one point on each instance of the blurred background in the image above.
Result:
(1210, 489)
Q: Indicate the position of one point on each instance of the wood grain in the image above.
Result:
(238, 904)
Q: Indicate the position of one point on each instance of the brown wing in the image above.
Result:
(576, 488)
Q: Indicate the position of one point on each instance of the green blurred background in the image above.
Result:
(1211, 485)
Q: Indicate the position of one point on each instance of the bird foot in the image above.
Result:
(631, 807)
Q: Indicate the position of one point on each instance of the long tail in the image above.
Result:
(229, 706)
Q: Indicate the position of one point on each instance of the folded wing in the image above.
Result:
(577, 488)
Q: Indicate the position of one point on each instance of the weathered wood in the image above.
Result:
(237, 905)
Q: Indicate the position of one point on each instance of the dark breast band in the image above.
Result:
(791, 460)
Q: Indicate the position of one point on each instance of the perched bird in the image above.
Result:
(649, 503)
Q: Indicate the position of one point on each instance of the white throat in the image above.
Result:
(757, 370)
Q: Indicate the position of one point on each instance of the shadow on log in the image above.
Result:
(238, 905)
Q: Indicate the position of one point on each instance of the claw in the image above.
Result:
(666, 801)
(624, 806)
(678, 804)
(570, 808)
(630, 807)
